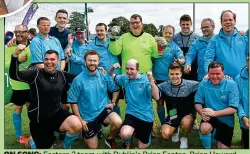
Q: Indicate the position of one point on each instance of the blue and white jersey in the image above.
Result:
(138, 96)
(90, 92)
(219, 97)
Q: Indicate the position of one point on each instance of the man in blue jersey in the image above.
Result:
(44, 42)
(139, 116)
(198, 48)
(160, 65)
(184, 39)
(101, 45)
(216, 100)
(242, 81)
(179, 95)
(89, 100)
(229, 47)
(76, 50)
(60, 31)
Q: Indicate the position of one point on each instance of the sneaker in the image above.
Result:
(184, 143)
(100, 134)
(126, 145)
(111, 143)
(175, 137)
(23, 140)
(195, 126)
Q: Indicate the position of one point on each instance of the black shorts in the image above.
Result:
(94, 126)
(142, 128)
(176, 122)
(121, 96)
(245, 137)
(20, 97)
(43, 132)
(224, 133)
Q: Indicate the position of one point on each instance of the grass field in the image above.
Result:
(157, 143)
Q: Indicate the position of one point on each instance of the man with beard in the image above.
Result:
(89, 100)
(179, 95)
(101, 45)
(198, 48)
(139, 116)
(45, 112)
(216, 100)
(242, 81)
(160, 66)
(21, 90)
(229, 47)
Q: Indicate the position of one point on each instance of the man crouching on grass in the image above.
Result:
(89, 100)
(45, 112)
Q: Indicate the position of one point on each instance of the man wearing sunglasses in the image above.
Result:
(21, 90)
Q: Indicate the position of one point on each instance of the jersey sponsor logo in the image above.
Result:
(223, 97)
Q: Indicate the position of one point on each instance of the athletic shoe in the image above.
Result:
(111, 143)
(100, 134)
(23, 140)
(126, 145)
(184, 143)
(175, 137)
(195, 126)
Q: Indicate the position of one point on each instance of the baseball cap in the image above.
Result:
(80, 29)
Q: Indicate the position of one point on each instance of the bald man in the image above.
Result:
(139, 116)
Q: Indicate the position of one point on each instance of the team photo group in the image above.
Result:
(74, 87)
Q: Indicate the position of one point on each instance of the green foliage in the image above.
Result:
(151, 29)
(122, 22)
(76, 19)
(157, 143)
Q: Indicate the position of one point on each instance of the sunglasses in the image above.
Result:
(20, 32)
(136, 22)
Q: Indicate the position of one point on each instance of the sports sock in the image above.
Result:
(17, 120)
(69, 139)
(161, 114)
(206, 140)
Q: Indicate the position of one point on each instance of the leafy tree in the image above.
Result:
(122, 22)
(151, 29)
(76, 19)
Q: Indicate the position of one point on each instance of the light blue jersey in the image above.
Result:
(138, 96)
(230, 50)
(106, 58)
(160, 65)
(198, 48)
(77, 59)
(90, 92)
(219, 97)
(39, 46)
(242, 81)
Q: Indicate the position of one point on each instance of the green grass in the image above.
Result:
(157, 143)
